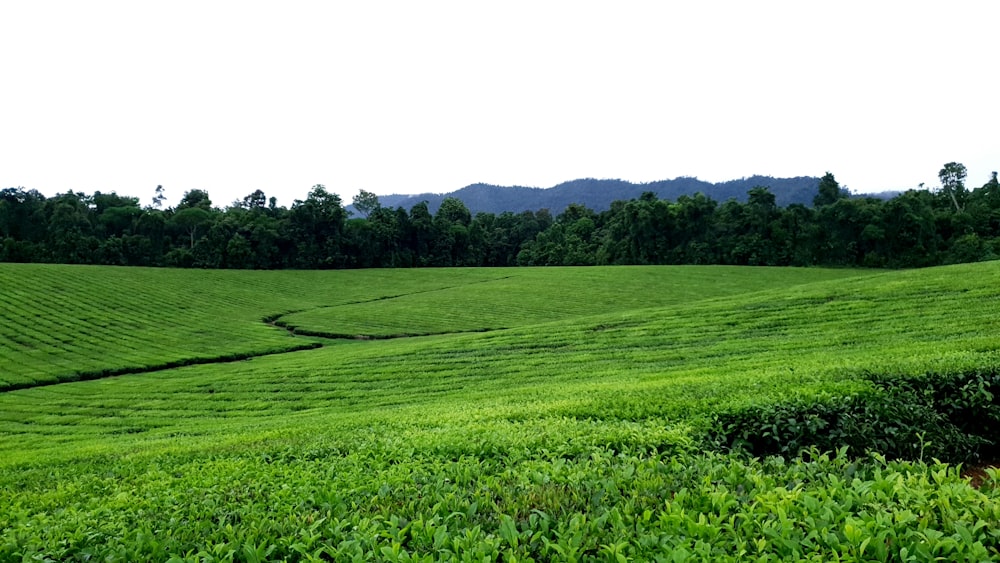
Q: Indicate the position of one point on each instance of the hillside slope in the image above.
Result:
(667, 361)
(62, 323)
(577, 439)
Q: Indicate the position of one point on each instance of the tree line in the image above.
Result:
(919, 227)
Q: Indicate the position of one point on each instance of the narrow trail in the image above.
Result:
(183, 362)
(273, 321)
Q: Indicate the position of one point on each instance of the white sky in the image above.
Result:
(429, 96)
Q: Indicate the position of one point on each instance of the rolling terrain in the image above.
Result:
(551, 414)
(66, 322)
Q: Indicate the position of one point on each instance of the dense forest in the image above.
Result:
(916, 228)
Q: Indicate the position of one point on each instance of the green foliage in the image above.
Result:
(190, 219)
(535, 295)
(829, 191)
(366, 202)
(63, 323)
(595, 508)
(68, 322)
(566, 437)
(913, 229)
(969, 400)
(952, 178)
(896, 422)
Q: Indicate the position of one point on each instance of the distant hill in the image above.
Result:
(598, 194)
(883, 195)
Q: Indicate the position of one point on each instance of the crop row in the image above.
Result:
(531, 296)
(580, 439)
(676, 363)
(70, 322)
(67, 322)
(602, 506)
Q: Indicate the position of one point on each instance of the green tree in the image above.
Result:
(317, 225)
(952, 178)
(695, 239)
(453, 211)
(116, 215)
(829, 191)
(366, 203)
(451, 234)
(190, 220)
(22, 215)
(911, 236)
(256, 200)
(195, 198)
(420, 234)
(152, 226)
(70, 229)
(239, 253)
(841, 227)
(797, 232)
(159, 198)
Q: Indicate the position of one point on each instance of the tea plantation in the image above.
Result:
(601, 414)
(64, 323)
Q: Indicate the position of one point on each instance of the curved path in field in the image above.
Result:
(276, 320)
(273, 321)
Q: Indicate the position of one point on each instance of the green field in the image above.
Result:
(63, 323)
(542, 414)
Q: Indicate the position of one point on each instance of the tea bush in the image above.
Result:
(571, 438)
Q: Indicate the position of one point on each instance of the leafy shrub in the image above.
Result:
(946, 416)
(968, 399)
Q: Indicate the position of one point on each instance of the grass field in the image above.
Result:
(587, 429)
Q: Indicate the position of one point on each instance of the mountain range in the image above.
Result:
(598, 194)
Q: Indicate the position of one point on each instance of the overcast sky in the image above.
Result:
(410, 97)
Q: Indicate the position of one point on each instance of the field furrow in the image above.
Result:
(599, 422)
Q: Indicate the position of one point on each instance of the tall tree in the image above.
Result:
(451, 230)
(22, 215)
(158, 198)
(993, 184)
(452, 210)
(71, 228)
(829, 191)
(420, 235)
(696, 223)
(953, 183)
(256, 200)
(191, 220)
(366, 203)
(318, 226)
(195, 198)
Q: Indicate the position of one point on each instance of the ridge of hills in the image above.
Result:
(598, 194)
